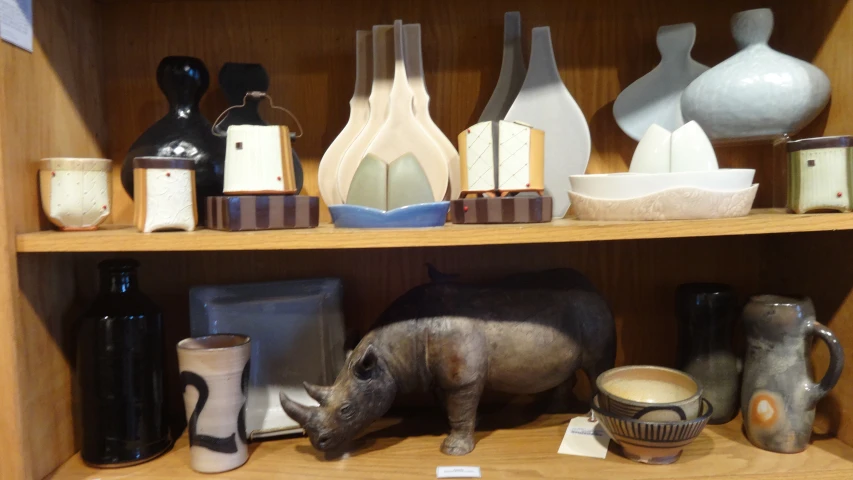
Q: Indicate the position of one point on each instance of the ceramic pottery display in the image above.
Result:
(120, 372)
(183, 132)
(480, 336)
(259, 160)
(420, 105)
(502, 156)
(673, 176)
(236, 80)
(75, 192)
(501, 210)
(650, 393)
(655, 98)
(165, 194)
(262, 212)
(327, 174)
(706, 314)
(651, 442)
(420, 215)
(778, 396)
(759, 92)
(819, 174)
(400, 132)
(215, 378)
(297, 333)
(546, 104)
(512, 73)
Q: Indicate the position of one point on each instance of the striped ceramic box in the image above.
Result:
(262, 212)
(501, 210)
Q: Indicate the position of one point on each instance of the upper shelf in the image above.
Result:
(127, 239)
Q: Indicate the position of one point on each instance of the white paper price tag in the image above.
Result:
(457, 472)
(585, 439)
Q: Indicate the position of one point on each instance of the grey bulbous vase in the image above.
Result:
(707, 313)
(183, 132)
(778, 395)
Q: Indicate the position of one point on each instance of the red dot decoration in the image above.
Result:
(278, 178)
(104, 207)
(168, 174)
(465, 208)
(839, 195)
(52, 174)
(528, 185)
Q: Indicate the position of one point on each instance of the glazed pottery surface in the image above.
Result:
(679, 203)
(75, 192)
(512, 73)
(297, 334)
(655, 443)
(379, 106)
(545, 103)
(258, 159)
(420, 104)
(237, 79)
(632, 185)
(778, 394)
(327, 174)
(166, 197)
(504, 156)
(758, 92)
(706, 314)
(215, 378)
(120, 372)
(649, 393)
(510, 209)
(820, 174)
(402, 133)
(183, 131)
(687, 149)
(235, 213)
(655, 98)
(412, 216)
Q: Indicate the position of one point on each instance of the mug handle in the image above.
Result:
(836, 362)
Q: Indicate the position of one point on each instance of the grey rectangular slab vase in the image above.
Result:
(297, 333)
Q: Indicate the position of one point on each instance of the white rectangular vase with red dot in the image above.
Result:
(259, 160)
(164, 194)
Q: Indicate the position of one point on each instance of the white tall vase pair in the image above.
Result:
(389, 117)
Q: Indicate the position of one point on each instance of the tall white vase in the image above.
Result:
(512, 73)
(758, 92)
(545, 103)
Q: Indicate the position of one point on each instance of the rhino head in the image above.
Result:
(363, 392)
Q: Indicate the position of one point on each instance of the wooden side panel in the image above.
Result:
(308, 47)
(51, 106)
(818, 265)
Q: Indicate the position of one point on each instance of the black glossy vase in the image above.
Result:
(120, 372)
(184, 131)
(706, 314)
(238, 78)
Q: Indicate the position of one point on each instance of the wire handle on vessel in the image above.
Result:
(257, 96)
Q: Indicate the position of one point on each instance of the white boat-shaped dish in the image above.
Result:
(679, 203)
(621, 186)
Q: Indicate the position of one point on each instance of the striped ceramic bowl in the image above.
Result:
(656, 443)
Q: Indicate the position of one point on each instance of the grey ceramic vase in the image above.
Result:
(706, 316)
(778, 395)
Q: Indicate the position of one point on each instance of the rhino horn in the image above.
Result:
(317, 392)
(296, 411)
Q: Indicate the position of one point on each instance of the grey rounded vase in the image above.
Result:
(778, 395)
(707, 313)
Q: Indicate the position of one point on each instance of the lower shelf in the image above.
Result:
(527, 451)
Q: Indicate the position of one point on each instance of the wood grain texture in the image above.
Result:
(308, 49)
(52, 106)
(528, 451)
(326, 236)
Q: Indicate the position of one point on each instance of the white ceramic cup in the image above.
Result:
(215, 376)
(75, 192)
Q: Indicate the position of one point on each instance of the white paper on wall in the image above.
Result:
(16, 23)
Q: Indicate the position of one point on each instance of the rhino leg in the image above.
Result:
(462, 413)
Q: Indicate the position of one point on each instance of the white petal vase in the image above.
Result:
(545, 103)
(758, 93)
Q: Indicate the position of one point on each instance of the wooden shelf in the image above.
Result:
(127, 239)
(526, 451)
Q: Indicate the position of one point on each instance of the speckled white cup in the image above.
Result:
(75, 192)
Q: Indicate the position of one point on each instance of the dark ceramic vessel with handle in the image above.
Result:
(706, 317)
(778, 395)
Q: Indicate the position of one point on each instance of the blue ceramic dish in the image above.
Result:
(411, 216)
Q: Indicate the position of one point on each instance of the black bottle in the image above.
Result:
(120, 372)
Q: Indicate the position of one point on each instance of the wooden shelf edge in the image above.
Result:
(526, 451)
(127, 239)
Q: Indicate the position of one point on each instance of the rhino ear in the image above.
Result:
(365, 367)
